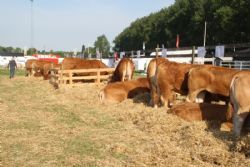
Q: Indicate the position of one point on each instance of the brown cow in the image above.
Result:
(119, 91)
(171, 77)
(202, 111)
(38, 67)
(213, 79)
(124, 70)
(151, 77)
(77, 63)
(29, 67)
(240, 99)
(206, 111)
(47, 67)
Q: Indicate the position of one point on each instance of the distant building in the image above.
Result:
(6, 57)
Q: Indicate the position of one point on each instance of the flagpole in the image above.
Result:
(31, 25)
(177, 41)
(205, 34)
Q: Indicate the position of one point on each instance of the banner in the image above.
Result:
(201, 51)
(89, 56)
(98, 55)
(164, 52)
(138, 53)
(122, 54)
(115, 56)
(219, 51)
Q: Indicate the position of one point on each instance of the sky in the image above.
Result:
(68, 24)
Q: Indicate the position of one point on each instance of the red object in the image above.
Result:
(177, 41)
(116, 56)
(49, 57)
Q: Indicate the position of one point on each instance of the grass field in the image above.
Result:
(41, 126)
(5, 72)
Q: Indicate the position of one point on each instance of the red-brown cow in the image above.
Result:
(171, 77)
(47, 67)
(29, 67)
(119, 91)
(202, 111)
(240, 99)
(151, 77)
(213, 79)
(38, 67)
(124, 70)
(77, 63)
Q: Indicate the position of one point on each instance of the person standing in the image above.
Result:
(12, 66)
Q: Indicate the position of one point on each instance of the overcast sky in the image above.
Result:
(67, 24)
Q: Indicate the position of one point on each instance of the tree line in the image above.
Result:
(227, 22)
(101, 44)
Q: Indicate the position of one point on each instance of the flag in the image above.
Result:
(177, 41)
(116, 56)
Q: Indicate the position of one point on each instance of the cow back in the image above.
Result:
(119, 91)
(28, 63)
(124, 68)
(212, 79)
(174, 75)
(77, 63)
(202, 111)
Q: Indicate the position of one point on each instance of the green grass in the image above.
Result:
(139, 74)
(6, 72)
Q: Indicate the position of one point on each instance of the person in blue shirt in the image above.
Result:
(12, 66)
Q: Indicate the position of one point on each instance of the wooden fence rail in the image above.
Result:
(67, 77)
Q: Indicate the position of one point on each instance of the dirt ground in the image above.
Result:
(41, 126)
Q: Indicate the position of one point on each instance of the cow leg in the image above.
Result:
(166, 97)
(153, 101)
(192, 96)
(155, 98)
(238, 120)
(200, 97)
(26, 72)
(123, 77)
(33, 72)
(129, 77)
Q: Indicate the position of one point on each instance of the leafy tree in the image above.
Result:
(9, 49)
(31, 51)
(103, 45)
(18, 50)
(227, 22)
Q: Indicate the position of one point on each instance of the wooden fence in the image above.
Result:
(69, 77)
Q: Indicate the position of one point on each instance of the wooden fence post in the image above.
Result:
(193, 54)
(70, 78)
(98, 76)
(60, 77)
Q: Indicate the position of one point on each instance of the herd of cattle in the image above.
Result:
(201, 84)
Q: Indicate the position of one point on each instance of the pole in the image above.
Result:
(31, 25)
(157, 49)
(205, 34)
(193, 52)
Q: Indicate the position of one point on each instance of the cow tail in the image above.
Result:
(101, 95)
(233, 81)
(189, 72)
(232, 92)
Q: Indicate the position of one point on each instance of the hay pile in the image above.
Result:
(126, 134)
(152, 137)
